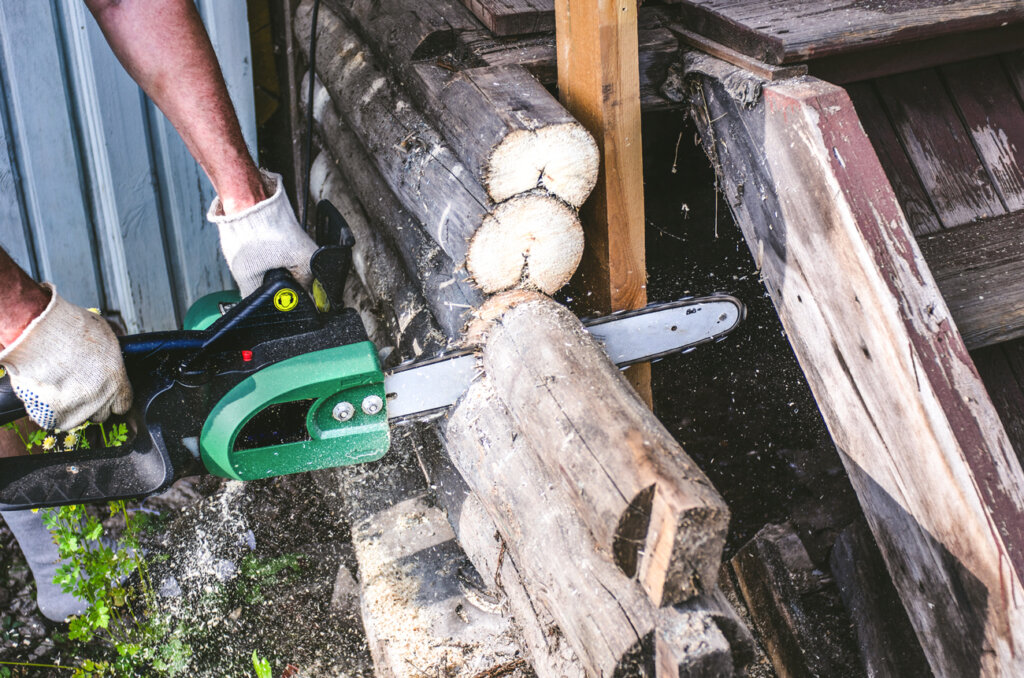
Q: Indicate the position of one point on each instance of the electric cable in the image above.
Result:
(308, 151)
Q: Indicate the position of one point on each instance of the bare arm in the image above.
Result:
(164, 46)
(21, 300)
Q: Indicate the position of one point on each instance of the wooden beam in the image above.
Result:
(935, 473)
(599, 83)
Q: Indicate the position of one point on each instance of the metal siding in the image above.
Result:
(113, 203)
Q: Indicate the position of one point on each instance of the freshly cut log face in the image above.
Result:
(526, 242)
(647, 504)
(427, 177)
(511, 132)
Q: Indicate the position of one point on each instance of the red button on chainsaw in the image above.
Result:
(246, 356)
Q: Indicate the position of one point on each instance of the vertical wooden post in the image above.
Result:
(599, 83)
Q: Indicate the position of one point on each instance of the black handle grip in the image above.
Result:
(11, 407)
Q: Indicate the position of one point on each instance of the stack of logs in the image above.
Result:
(595, 537)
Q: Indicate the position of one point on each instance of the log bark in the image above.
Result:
(501, 122)
(532, 240)
(550, 654)
(646, 502)
(925, 450)
(447, 289)
(395, 298)
(605, 616)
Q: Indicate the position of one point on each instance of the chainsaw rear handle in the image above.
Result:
(11, 407)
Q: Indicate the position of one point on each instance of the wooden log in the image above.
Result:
(926, 453)
(417, 617)
(550, 654)
(510, 132)
(605, 616)
(803, 627)
(447, 290)
(703, 637)
(532, 240)
(885, 639)
(409, 324)
(645, 501)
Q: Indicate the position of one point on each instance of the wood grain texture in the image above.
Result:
(533, 240)
(510, 132)
(991, 109)
(1002, 368)
(916, 204)
(658, 47)
(550, 654)
(412, 576)
(446, 288)
(940, 148)
(931, 463)
(791, 606)
(885, 640)
(514, 17)
(799, 30)
(599, 83)
(980, 271)
(646, 503)
(604, 615)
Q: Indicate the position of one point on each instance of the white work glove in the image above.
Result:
(264, 237)
(66, 366)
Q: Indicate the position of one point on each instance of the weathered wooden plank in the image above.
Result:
(532, 240)
(720, 51)
(799, 622)
(514, 17)
(798, 30)
(646, 503)
(992, 113)
(48, 163)
(888, 648)
(980, 271)
(658, 46)
(913, 199)
(1002, 368)
(923, 445)
(1014, 65)
(940, 148)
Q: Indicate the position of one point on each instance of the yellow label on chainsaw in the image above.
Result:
(323, 304)
(286, 300)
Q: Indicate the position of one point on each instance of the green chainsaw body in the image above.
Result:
(321, 381)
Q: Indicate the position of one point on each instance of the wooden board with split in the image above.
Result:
(800, 30)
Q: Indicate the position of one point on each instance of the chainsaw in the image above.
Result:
(284, 382)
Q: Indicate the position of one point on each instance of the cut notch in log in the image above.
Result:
(645, 501)
(432, 184)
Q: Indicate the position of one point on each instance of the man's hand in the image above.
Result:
(263, 237)
(66, 366)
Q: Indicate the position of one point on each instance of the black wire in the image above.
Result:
(309, 113)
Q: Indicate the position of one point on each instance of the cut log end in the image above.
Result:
(534, 241)
(562, 159)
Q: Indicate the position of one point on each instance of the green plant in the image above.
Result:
(111, 577)
(261, 666)
(259, 572)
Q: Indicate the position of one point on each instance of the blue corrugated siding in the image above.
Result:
(98, 194)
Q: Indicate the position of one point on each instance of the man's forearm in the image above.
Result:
(164, 46)
(21, 300)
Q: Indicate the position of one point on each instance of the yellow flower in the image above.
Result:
(49, 442)
(70, 440)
